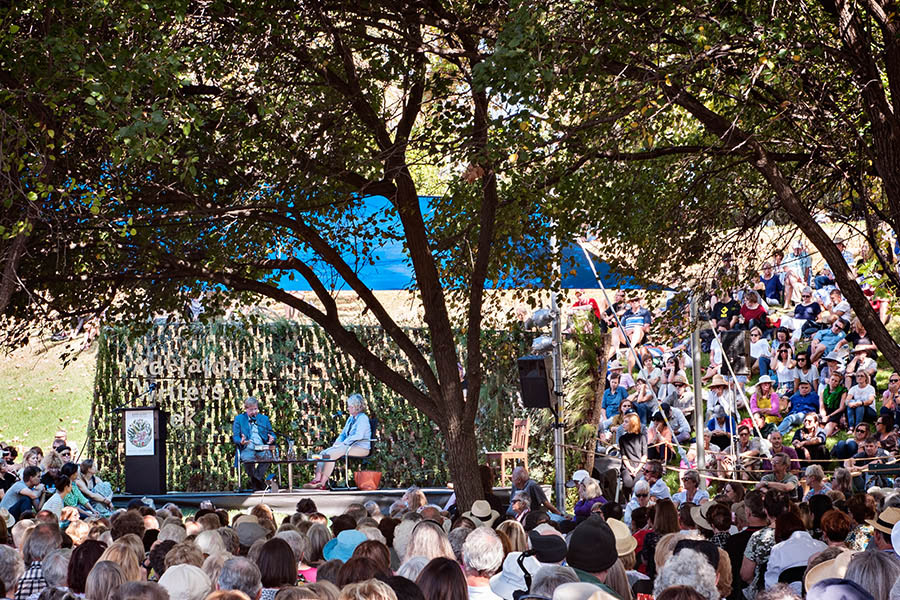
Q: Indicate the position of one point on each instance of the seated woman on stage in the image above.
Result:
(354, 440)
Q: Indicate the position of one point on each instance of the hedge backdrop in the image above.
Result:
(203, 372)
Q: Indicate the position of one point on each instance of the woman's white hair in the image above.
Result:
(641, 486)
(172, 532)
(815, 472)
(483, 552)
(688, 568)
(412, 567)
(356, 400)
(590, 488)
(429, 540)
(210, 542)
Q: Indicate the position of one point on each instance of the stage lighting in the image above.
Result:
(540, 318)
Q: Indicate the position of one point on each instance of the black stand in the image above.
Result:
(147, 474)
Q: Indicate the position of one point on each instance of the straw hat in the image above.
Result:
(765, 379)
(482, 511)
(717, 381)
(625, 542)
(886, 520)
(836, 567)
(698, 514)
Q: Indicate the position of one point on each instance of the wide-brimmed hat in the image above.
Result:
(511, 578)
(577, 476)
(343, 545)
(839, 240)
(835, 356)
(625, 542)
(765, 379)
(244, 519)
(717, 381)
(482, 511)
(5, 516)
(886, 520)
(679, 379)
(614, 365)
(698, 514)
(186, 582)
(836, 567)
(864, 348)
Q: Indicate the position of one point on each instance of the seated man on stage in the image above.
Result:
(251, 430)
(353, 441)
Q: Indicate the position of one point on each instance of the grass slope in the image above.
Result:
(38, 395)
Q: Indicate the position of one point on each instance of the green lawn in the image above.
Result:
(38, 395)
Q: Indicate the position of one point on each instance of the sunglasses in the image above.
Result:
(641, 495)
(806, 296)
(894, 380)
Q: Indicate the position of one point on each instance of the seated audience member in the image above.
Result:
(482, 558)
(845, 449)
(884, 432)
(691, 569)
(636, 322)
(860, 361)
(760, 352)
(860, 400)
(826, 340)
(640, 499)
(815, 479)
(242, 575)
(24, 495)
(793, 547)
(802, 402)
(809, 440)
(660, 444)
(753, 313)
(589, 494)
(871, 453)
(769, 285)
(780, 479)
(806, 371)
(722, 427)
(719, 395)
(806, 313)
(691, 493)
(747, 450)
(613, 396)
(643, 399)
(766, 400)
(681, 427)
(833, 403)
(783, 365)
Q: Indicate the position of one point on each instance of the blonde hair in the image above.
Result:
(105, 576)
(429, 540)
(514, 531)
(52, 460)
(122, 554)
(617, 579)
(590, 487)
(370, 589)
(134, 542)
(185, 553)
(724, 573)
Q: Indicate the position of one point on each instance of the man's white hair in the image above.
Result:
(483, 552)
(688, 568)
(641, 486)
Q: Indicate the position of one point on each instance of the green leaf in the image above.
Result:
(90, 100)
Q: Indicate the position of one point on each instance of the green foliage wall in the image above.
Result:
(203, 372)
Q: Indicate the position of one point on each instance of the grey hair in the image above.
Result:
(549, 578)
(372, 508)
(412, 567)
(688, 568)
(44, 539)
(252, 401)
(210, 542)
(523, 498)
(457, 538)
(402, 535)
(483, 552)
(692, 474)
(240, 574)
(641, 486)
(173, 532)
(296, 541)
(892, 500)
(356, 400)
(874, 572)
(591, 488)
(428, 539)
(895, 591)
(56, 566)
(373, 533)
(815, 472)
(11, 567)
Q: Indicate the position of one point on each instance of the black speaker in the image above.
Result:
(736, 347)
(535, 381)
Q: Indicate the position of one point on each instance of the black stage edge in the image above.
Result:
(329, 502)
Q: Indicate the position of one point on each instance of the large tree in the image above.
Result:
(721, 115)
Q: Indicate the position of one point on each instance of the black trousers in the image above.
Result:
(257, 474)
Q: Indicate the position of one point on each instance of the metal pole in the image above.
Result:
(699, 420)
(559, 448)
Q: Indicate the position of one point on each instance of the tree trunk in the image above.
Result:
(598, 402)
(823, 242)
(462, 458)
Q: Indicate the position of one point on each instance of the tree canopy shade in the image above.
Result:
(721, 115)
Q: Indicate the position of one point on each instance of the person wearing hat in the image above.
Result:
(592, 551)
(185, 582)
(802, 402)
(883, 527)
(683, 398)
(766, 400)
(681, 428)
(548, 544)
(722, 427)
(849, 257)
(343, 545)
(625, 379)
(515, 575)
(719, 395)
(482, 513)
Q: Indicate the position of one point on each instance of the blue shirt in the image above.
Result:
(633, 319)
(829, 338)
(357, 428)
(773, 285)
(804, 404)
(612, 401)
(808, 312)
(728, 426)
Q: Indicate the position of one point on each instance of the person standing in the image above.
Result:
(250, 431)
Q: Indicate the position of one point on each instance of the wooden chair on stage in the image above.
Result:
(518, 449)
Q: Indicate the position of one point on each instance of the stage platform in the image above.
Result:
(329, 502)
